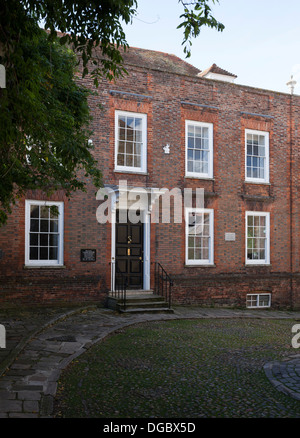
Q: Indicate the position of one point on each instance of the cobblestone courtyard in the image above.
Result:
(40, 347)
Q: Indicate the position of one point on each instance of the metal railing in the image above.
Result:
(163, 283)
(119, 291)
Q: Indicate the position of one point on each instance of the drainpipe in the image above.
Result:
(291, 84)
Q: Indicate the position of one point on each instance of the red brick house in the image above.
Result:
(167, 125)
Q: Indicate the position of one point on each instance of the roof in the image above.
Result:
(158, 61)
(215, 69)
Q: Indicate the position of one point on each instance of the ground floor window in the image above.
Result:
(199, 236)
(257, 238)
(259, 300)
(44, 233)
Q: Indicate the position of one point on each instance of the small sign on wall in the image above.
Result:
(87, 255)
(230, 237)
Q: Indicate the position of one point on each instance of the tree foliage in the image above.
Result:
(196, 15)
(44, 123)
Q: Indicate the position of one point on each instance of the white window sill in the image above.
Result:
(44, 266)
(249, 265)
(208, 178)
(133, 172)
(266, 183)
(210, 265)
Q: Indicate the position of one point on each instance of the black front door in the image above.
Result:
(129, 252)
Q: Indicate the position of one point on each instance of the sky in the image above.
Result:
(260, 42)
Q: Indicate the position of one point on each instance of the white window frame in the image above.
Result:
(266, 260)
(210, 150)
(132, 169)
(210, 260)
(253, 300)
(59, 261)
(264, 180)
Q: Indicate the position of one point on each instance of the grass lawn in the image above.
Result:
(184, 368)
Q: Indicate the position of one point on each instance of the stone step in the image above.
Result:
(139, 302)
(146, 310)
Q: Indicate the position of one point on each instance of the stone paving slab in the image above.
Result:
(22, 324)
(28, 387)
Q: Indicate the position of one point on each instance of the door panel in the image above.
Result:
(129, 252)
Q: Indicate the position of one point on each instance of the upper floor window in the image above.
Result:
(199, 236)
(199, 149)
(44, 233)
(130, 141)
(257, 156)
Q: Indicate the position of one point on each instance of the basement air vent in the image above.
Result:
(258, 300)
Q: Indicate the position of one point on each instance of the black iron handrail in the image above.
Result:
(120, 286)
(163, 283)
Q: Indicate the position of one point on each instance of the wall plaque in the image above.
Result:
(87, 255)
(230, 237)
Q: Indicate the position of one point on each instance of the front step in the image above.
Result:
(140, 302)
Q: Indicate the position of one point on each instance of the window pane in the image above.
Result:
(191, 130)
(137, 161)
(191, 142)
(138, 124)
(138, 136)
(44, 225)
(44, 240)
(53, 253)
(190, 166)
(205, 133)
(129, 148)
(129, 160)
(130, 135)
(53, 239)
(44, 211)
(43, 253)
(130, 123)
(121, 160)
(197, 131)
(34, 225)
(191, 253)
(54, 226)
(121, 147)
(34, 239)
(33, 253)
(122, 134)
(34, 211)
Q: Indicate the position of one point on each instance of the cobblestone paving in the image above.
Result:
(28, 386)
(285, 375)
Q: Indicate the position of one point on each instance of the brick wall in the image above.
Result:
(169, 99)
